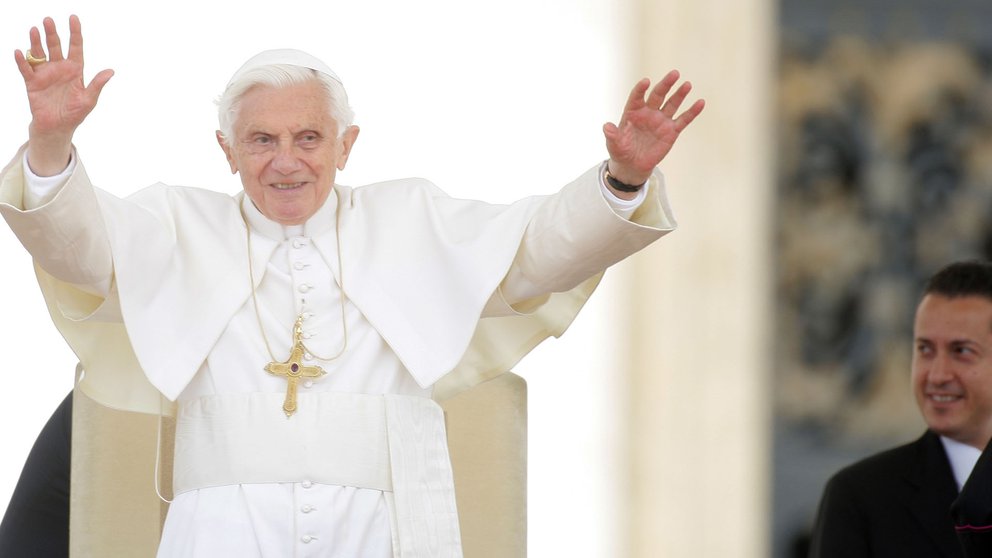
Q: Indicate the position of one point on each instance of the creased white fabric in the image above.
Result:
(338, 443)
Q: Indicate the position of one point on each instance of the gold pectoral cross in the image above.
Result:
(293, 369)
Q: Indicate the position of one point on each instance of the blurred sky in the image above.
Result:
(488, 100)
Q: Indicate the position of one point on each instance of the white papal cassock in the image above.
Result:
(429, 282)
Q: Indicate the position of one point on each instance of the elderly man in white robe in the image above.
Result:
(299, 329)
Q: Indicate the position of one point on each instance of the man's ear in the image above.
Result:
(347, 142)
(222, 141)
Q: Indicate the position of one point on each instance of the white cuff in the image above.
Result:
(39, 190)
(622, 207)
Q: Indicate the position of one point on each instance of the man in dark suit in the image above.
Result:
(897, 503)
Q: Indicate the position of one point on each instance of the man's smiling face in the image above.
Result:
(287, 150)
(952, 366)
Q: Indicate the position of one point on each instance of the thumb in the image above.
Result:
(610, 130)
(98, 82)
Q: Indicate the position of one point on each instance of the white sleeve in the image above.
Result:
(39, 190)
(81, 260)
(574, 236)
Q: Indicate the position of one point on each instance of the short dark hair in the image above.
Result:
(960, 279)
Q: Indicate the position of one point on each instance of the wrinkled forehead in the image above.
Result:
(288, 56)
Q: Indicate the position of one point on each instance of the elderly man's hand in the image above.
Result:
(648, 128)
(58, 98)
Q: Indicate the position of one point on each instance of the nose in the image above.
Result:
(940, 370)
(285, 160)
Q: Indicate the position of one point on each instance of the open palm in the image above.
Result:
(648, 128)
(57, 96)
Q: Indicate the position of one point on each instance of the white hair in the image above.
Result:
(281, 75)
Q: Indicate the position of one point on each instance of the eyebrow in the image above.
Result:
(956, 341)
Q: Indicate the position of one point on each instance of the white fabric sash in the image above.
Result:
(392, 443)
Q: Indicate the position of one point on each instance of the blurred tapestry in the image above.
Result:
(885, 168)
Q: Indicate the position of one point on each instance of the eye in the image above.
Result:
(963, 350)
(308, 139)
(259, 143)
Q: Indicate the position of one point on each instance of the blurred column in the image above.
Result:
(697, 414)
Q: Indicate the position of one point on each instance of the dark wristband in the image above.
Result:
(622, 186)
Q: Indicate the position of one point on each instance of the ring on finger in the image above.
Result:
(32, 59)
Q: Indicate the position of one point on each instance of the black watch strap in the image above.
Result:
(621, 186)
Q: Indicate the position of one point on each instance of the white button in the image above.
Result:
(307, 356)
(304, 288)
(306, 539)
(307, 335)
(306, 509)
(308, 384)
(298, 243)
(306, 484)
(299, 265)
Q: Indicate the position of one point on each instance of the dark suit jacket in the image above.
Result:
(972, 511)
(895, 504)
(36, 523)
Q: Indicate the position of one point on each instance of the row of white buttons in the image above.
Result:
(307, 539)
(306, 335)
(300, 265)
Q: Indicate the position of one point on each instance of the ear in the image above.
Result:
(227, 152)
(347, 142)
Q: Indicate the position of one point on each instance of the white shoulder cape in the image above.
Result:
(423, 267)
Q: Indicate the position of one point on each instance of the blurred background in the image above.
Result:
(884, 161)
(700, 401)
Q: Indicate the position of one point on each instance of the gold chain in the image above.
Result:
(254, 299)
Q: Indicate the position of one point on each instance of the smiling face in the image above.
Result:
(952, 366)
(286, 148)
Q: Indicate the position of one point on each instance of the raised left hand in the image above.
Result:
(648, 128)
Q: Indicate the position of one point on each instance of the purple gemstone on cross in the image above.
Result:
(295, 367)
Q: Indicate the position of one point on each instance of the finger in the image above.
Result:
(53, 41)
(22, 65)
(661, 90)
(75, 39)
(689, 115)
(36, 50)
(675, 101)
(636, 98)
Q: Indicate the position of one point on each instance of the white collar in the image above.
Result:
(962, 458)
(320, 222)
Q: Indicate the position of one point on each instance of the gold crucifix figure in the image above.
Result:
(293, 369)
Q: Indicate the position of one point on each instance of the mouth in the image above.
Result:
(287, 185)
(943, 397)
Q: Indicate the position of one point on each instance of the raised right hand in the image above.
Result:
(58, 98)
